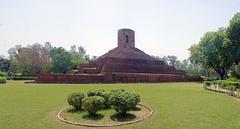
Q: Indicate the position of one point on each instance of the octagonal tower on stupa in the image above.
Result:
(126, 38)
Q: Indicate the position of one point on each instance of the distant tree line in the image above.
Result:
(187, 66)
(36, 58)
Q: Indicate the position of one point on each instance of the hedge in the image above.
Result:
(225, 84)
(3, 79)
(23, 78)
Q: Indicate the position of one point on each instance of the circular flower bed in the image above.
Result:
(105, 118)
(100, 108)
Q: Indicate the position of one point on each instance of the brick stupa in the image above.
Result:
(123, 64)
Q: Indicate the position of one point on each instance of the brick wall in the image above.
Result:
(114, 78)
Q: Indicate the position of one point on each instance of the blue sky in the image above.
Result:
(162, 27)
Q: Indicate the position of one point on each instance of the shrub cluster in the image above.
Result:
(233, 79)
(3, 80)
(95, 93)
(124, 101)
(121, 100)
(229, 84)
(3, 74)
(15, 76)
(93, 104)
(102, 93)
(75, 99)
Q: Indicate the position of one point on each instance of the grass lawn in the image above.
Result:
(176, 105)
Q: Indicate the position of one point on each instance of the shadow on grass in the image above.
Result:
(136, 109)
(95, 117)
(73, 110)
(121, 118)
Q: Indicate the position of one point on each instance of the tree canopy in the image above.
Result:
(219, 50)
(37, 58)
(4, 64)
(232, 43)
(210, 52)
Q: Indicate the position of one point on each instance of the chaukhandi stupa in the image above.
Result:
(123, 64)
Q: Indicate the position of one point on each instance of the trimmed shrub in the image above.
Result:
(93, 104)
(3, 74)
(106, 96)
(23, 78)
(118, 90)
(75, 99)
(95, 93)
(102, 93)
(124, 101)
(3, 79)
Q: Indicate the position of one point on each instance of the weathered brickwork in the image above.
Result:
(123, 64)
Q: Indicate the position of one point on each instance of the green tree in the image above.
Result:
(172, 60)
(14, 66)
(77, 57)
(4, 64)
(232, 43)
(235, 71)
(30, 59)
(60, 60)
(210, 53)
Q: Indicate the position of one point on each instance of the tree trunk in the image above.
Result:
(222, 75)
(226, 74)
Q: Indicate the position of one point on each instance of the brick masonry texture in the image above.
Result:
(123, 64)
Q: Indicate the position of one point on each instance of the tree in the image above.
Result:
(81, 51)
(4, 64)
(60, 60)
(232, 43)
(14, 51)
(77, 57)
(28, 60)
(164, 59)
(235, 71)
(210, 52)
(93, 58)
(172, 60)
(14, 66)
(197, 69)
(48, 46)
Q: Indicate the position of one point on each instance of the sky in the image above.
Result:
(162, 27)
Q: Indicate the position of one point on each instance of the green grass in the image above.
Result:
(176, 105)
